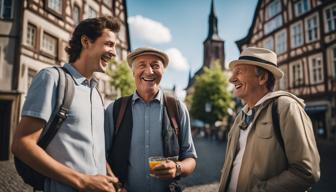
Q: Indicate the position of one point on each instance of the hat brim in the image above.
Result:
(132, 57)
(278, 74)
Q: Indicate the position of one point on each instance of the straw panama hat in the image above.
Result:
(147, 51)
(261, 57)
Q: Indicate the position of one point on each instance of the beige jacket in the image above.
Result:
(265, 166)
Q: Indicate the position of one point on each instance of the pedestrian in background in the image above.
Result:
(263, 153)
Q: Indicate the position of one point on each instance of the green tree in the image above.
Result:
(210, 98)
(121, 77)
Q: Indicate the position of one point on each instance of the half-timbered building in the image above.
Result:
(33, 35)
(303, 34)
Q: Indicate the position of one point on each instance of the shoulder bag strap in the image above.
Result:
(172, 108)
(119, 109)
(66, 89)
(276, 123)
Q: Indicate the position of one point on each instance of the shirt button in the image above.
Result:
(147, 146)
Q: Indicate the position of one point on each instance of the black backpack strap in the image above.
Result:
(119, 109)
(276, 123)
(172, 105)
(66, 90)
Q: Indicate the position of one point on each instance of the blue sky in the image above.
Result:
(179, 27)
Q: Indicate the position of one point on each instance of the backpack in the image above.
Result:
(277, 131)
(65, 95)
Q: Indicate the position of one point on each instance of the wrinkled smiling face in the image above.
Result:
(245, 81)
(102, 51)
(147, 72)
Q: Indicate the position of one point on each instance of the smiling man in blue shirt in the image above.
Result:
(75, 158)
(147, 112)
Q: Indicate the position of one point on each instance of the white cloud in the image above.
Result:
(176, 60)
(148, 30)
(181, 94)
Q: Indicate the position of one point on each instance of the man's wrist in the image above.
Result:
(80, 181)
(178, 169)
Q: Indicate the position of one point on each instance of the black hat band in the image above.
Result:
(251, 58)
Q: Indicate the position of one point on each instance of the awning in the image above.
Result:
(197, 123)
(316, 109)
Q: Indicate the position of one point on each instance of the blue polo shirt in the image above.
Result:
(147, 141)
(80, 142)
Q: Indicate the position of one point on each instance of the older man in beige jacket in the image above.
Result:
(259, 156)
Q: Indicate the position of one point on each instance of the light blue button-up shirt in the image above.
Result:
(147, 141)
(80, 142)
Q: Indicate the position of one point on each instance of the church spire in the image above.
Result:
(190, 76)
(212, 11)
(213, 29)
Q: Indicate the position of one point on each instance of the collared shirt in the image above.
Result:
(242, 144)
(79, 143)
(147, 141)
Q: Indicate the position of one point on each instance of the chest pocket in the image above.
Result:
(264, 130)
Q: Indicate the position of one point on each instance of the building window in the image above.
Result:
(296, 35)
(281, 42)
(312, 31)
(273, 24)
(216, 53)
(49, 44)
(332, 60)
(31, 35)
(301, 7)
(268, 43)
(330, 18)
(273, 8)
(316, 69)
(55, 5)
(6, 9)
(76, 15)
(283, 80)
(297, 74)
(1, 63)
(92, 13)
(108, 3)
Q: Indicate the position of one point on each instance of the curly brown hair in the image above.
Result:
(92, 28)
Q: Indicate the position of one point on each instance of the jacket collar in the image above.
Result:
(248, 110)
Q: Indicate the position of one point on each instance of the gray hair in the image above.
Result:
(271, 80)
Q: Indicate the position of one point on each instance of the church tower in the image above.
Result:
(213, 45)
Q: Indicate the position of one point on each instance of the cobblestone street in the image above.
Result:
(10, 181)
(206, 176)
